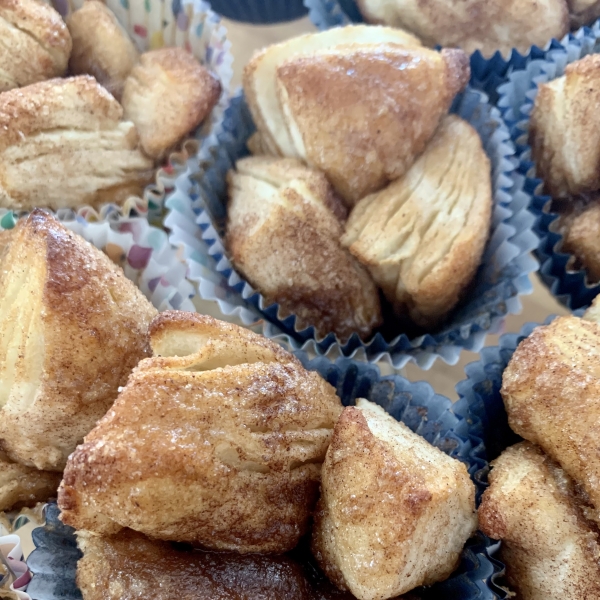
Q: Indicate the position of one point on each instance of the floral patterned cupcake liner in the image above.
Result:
(143, 252)
(568, 284)
(197, 212)
(154, 24)
(260, 12)
(448, 426)
(489, 72)
(16, 544)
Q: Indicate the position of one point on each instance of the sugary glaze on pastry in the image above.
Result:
(35, 43)
(72, 329)
(422, 237)
(486, 25)
(359, 110)
(549, 548)
(260, 81)
(167, 95)
(284, 225)
(550, 390)
(24, 486)
(220, 443)
(129, 566)
(101, 47)
(63, 144)
(395, 512)
(566, 150)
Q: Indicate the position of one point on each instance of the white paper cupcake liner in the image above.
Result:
(197, 211)
(570, 286)
(153, 24)
(143, 251)
(489, 72)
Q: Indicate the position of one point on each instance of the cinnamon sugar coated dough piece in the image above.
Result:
(359, 103)
(550, 390)
(422, 238)
(101, 47)
(167, 95)
(284, 224)
(583, 12)
(144, 568)
(218, 443)
(24, 486)
(566, 150)
(35, 43)
(549, 548)
(63, 144)
(72, 329)
(394, 513)
(486, 25)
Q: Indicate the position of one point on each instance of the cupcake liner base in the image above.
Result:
(196, 220)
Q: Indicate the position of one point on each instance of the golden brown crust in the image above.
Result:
(394, 511)
(363, 114)
(583, 12)
(63, 144)
(486, 25)
(550, 390)
(422, 238)
(566, 151)
(129, 566)
(548, 546)
(101, 47)
(35, 43)
(224, 457)
(283, 234)
(167, 95)
(182, 340)
(23, 486)
(73, 328)
(260, 85)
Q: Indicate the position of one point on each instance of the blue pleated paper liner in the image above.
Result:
(446, 425)
(196, 221)
(517, 96)
(260, 12)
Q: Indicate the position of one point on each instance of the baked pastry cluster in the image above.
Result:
(284, 230)
(72, 329)
(567, 158)
(485, 25)
(222, 440)
(365, 108)
(544, 499)
(67, 143)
